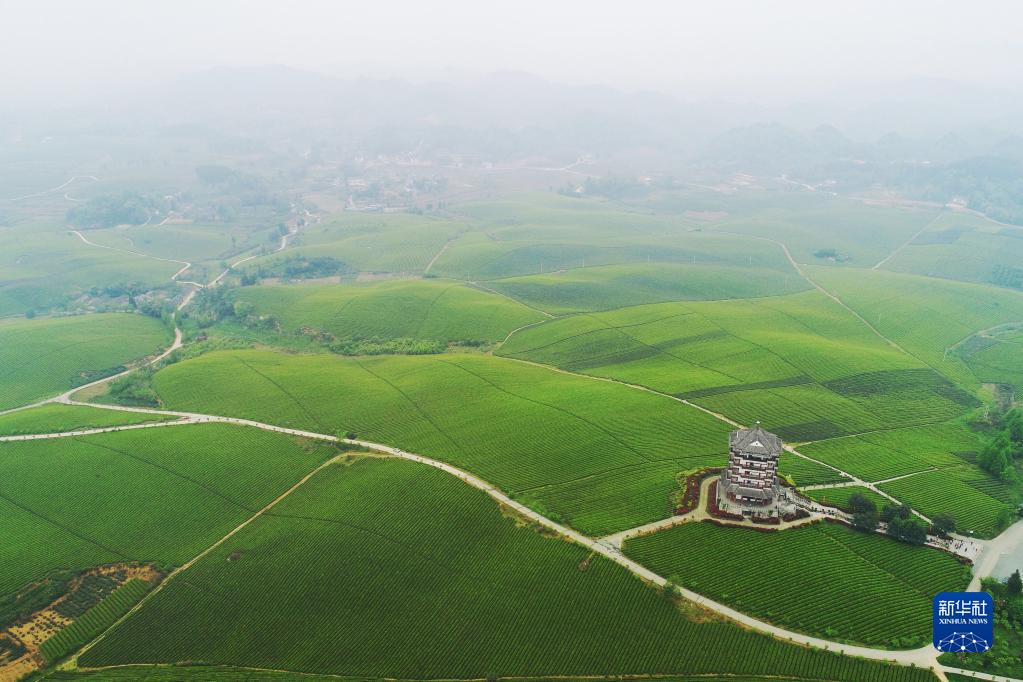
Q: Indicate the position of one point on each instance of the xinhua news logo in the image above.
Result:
(964, 622)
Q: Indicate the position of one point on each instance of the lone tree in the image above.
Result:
(1015, 583)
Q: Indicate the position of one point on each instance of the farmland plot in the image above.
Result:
(836, 594)
(800, 364)
(526, 429)
(160, 495)
(44, 357)
(897, 452)
(928, 317)
(371, 242)
(57, 417)
(421, 309)
(615, 286)
(347, 575)
(972, 497)
(43, 270)
(839, 497)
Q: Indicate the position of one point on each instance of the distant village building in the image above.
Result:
(749, 484)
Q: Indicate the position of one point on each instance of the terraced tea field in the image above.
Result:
(189, 242)
(46, 356)
(679, 293)
(422, 309)
(347, 576)
(94, 621)
(532, 431)
(936, 462)
(65, 502)
(804, 472)
(825, 578)
(226, 674)
(996, 357)
(540, 233)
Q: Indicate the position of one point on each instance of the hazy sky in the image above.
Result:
(701, 48)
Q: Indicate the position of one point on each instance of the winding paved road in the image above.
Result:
(924, 657)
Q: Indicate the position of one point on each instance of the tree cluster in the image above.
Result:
(902, 523)
(864, 512)
(126, 208)
(1001, 452)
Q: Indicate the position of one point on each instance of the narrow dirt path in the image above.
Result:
(498, 293)
(188, 564)
(86, 240)
(909, 241)
(440, 253)
(55, 189)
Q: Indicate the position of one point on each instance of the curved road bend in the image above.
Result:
(65, 397)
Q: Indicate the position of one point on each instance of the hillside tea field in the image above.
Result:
(584, 354)
(801, 364)
(46, 356)
(965, 247)
(880, 455)
(809, 222)
(824, 579)
(928, 317)
(227, 674)
(42, 269)
(57, 417)
(616, 286)
(371, 572)
(397, 243)
(598, 456)
(932, 468)
(422, 309)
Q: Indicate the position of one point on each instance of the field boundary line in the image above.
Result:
(513, 332)
(436, 256)
(416, 406)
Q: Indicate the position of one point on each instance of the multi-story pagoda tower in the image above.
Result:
(749, 485)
